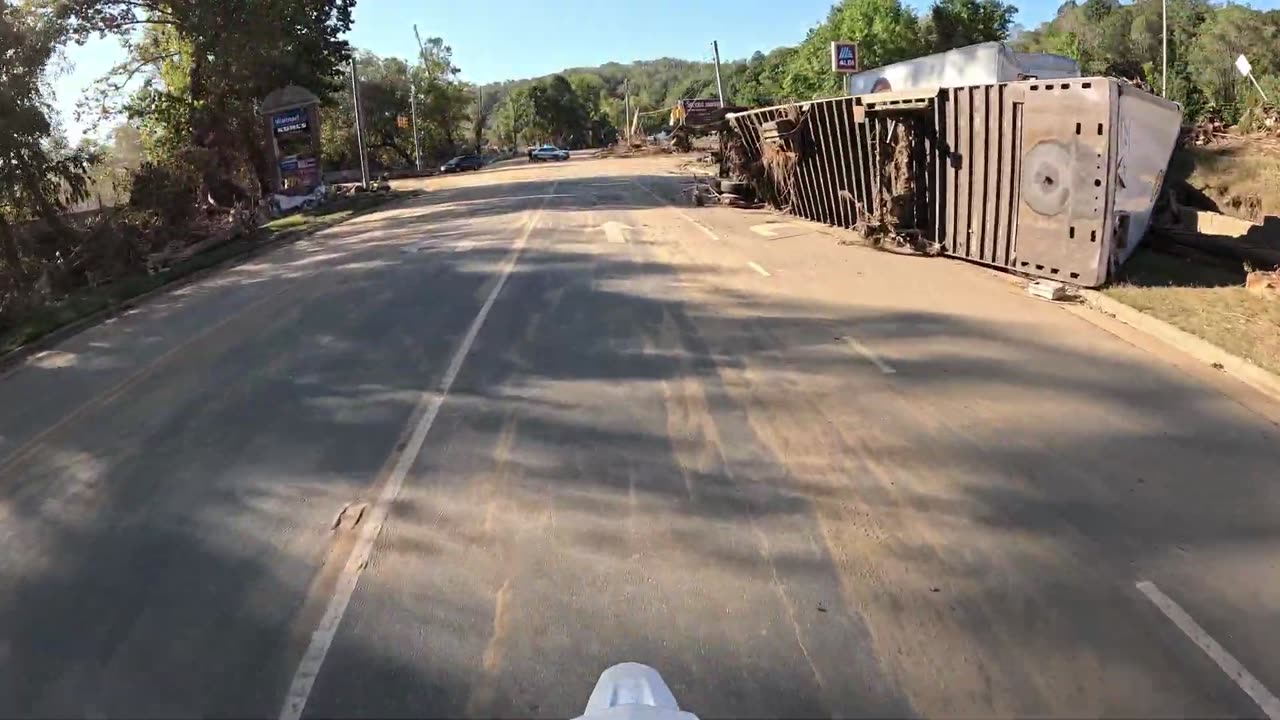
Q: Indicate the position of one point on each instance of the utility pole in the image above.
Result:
(515, 134)
(356, 107)
(1164, 48)
(479, 131)
(715, 48)
(626, 109)
(413, 111)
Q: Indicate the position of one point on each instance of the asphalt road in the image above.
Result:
(457, 457)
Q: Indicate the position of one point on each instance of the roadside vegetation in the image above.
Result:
(1227, 315)
(117, 294)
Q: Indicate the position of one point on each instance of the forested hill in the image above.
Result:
(652, 83)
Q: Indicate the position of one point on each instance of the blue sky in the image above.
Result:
(505, 39)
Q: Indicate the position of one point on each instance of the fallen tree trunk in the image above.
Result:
(1258, 253)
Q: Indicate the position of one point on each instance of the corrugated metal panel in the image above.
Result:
(977, 168)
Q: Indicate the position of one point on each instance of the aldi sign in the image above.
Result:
(844, 57)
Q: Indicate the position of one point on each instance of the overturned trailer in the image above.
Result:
(1050, 178)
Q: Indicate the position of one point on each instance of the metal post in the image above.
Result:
(715, 48)
(1255, 84)
(355, 101)
(413, 111)
(479, 116)
(1164, 48)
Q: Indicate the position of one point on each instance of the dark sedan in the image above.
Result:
(463, 162)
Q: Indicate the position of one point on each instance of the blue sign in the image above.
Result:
(291, 121)
(844, 57)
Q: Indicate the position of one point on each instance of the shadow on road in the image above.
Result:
(980, 505)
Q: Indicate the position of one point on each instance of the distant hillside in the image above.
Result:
(653, 83)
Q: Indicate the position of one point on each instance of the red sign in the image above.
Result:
(844, 57)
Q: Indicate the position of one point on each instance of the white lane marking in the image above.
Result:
(758, 269)
(1232, 667)
(871, 357)
(464, 246)
(417, 247)
(767, 229)
(428, 407)
(679, 212)
(613, 231)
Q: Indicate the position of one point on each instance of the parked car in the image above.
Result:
(463, 162)
(549, 152)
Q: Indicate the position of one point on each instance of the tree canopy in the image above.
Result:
(1110, 38)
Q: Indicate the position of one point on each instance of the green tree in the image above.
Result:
(1227, 33)
(205, 65)
(513, 117)
(443, 100)
(886, 31)
(39, 176)
(759, 80)
(387, 86)
(957, 23)
(558, 112)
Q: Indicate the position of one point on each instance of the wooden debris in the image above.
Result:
(1264, 283)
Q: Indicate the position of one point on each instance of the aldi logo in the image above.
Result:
(844, 57)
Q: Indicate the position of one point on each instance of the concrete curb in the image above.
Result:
(15, 358)
(1202, 350)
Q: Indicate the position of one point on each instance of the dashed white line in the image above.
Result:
(767, 229)
(757, 268)
(871, 357)
(428, 408)
(1232, 667)
(679, 212)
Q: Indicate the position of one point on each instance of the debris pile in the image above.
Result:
(1262, 120)
(680, 141)
(781, 147)
(1264, 284)
(1258, 122)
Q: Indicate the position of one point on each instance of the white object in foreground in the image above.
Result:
(1048, 290)
(613, 232)
(1242, 64)
(632, 691)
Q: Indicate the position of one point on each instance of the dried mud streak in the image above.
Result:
(697, 445)
(918, 645)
